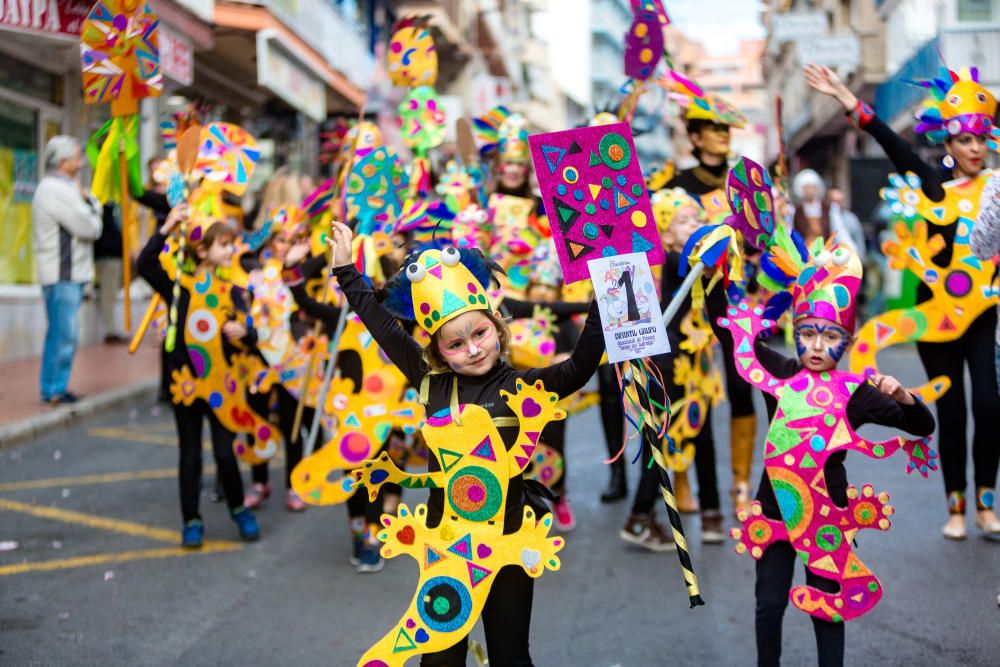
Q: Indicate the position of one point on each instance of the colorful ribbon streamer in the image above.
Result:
(103, 148)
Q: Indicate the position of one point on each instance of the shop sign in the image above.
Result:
(796, 26)
(838, 51)
(287, 77)
(52, 17)
(176, 56)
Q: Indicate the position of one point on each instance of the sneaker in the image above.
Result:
(711, 527)
(247, 524)
(62, 399)
(371, 559)
(954, 529)
(191, 536)
(359, 545)
(565, 521)
(641, 530)
(293, 503)
(256, 495)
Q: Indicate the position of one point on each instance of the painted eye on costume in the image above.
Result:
(415, 272)
(450, 256)
(822, 258)
(841, 256)
(954, 100)
(981, 97)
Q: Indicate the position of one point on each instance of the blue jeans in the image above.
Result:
(62, 305)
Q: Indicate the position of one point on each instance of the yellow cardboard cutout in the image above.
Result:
(359, 419)
(960, 293)
(221, 382)
(696, 372)
(459, 558)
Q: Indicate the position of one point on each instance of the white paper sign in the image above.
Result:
(630, 310)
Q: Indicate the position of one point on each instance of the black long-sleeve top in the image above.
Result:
(152, 271)
(688, 179)
(867, 405)
(932, 180)
(484, 390)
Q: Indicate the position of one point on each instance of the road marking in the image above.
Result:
(93, 521)
(105, 478)
(112, 525)
(120, 557)
(120, 433)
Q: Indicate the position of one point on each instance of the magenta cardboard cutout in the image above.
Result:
(809, 425)
(643, 45)
(595, 196)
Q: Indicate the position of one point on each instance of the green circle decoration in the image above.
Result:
(828, 538)
(615, 151)
(487, 506)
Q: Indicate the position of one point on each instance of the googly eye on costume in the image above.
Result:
(954, 100)
(841, 256)
(981, 97)
(822, 258)
(482, 217)
(450, 256)
(415, 273)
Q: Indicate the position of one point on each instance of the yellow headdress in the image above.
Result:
(959, 103)
(440, 285)
(667, 202)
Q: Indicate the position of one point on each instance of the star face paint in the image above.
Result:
(470, 344)
(820, 343)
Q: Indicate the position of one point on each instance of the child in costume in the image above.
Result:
(955, 298)
(545, 286)
(209, 247)
(804, 506)
(279, 330)
(678, 216)
(462, 372)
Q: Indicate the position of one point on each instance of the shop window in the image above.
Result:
(23, 78)
(976, 11)
(18, 178)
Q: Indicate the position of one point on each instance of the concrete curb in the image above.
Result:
(31, 428)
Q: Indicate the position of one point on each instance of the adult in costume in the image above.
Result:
(960, 114)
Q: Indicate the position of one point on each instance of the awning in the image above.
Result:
(254, 19)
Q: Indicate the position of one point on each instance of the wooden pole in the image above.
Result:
(126, 228)
(140, 332)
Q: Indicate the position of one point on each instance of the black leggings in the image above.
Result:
(506, 623)
(554, 435)
(648, 491)
(774, 581)
(358, 506)
(189, 426)
(976, 349)
(287, 405)
(612, 413)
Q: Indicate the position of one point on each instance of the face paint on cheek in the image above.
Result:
(800, 347)
(837, 351)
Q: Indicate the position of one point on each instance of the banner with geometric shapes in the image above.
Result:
(595, 196)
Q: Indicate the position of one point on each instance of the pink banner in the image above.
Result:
(595, 196)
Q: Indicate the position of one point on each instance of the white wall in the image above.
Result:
(565, 26)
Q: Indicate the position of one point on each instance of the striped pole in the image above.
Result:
(650, 437)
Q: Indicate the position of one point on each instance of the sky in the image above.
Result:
(718, 24)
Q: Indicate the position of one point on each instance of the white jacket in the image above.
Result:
(64, 226)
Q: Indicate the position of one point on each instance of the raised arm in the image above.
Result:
(569, 376)
(903, 157)
(398, 345)
(148, 264)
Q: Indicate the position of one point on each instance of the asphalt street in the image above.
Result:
(91, 572)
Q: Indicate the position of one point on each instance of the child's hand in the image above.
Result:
(297, 253)
(341, 242)
(234, 330)
(891, 387)
(174, 218)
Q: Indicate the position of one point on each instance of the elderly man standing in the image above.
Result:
(65, 221)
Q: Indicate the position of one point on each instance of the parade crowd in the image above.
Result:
(409, 326)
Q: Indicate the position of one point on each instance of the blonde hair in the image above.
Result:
(284, 189)
(436, 363)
